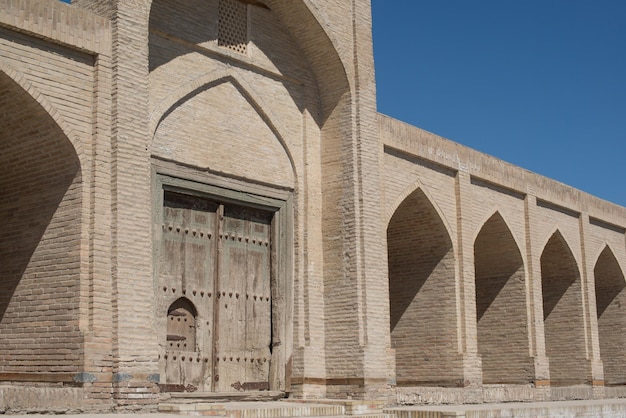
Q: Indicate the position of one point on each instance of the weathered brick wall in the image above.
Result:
(58, 55)
(526, 247)
(520, 278)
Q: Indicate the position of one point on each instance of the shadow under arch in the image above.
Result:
(16, 77)
(563, 314)
(209, 81)
(40, 206)
(422, 295)
(501, 305)
(610, 287)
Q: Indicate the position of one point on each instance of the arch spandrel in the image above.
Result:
(8, 73)
(237, 140)
(558, 232)
(413, 188)
(320, 52)
(497, 215)
(606, 249)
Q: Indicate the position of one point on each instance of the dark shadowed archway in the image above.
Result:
(422, 295)
(563, 313)
(40, 208)
(501, 305)
(611, 307)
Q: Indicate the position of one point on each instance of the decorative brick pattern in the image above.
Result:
(233, 26)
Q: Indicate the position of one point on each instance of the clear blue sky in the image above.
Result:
(538, 83)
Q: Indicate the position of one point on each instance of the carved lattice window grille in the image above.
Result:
(233, 26)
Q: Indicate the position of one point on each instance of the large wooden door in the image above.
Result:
(214, 279)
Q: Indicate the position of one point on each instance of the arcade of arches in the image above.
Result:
(202, 199)
(423, 282)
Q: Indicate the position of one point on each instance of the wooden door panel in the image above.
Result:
(244, 313)
(186, 371)
(187, 271)
(258, 315)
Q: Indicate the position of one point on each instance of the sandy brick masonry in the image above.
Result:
(403, 268)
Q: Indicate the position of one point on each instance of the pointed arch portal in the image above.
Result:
(611, 309)
(563, 314)
(40, 209)
(501, 305)
(422, 295)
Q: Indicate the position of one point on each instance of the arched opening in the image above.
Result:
(501, 305)
(181, 326)
(40, 208)
(611, 306)
(422, 295)
(563, 314)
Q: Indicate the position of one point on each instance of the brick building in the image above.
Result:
(201, 197)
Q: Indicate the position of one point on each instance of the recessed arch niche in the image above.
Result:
(422, 295)
(501, 305)
(610, 288)
(563, 313)
(41, 211)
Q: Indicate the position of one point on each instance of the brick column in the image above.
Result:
(468, 332)
(535, 325)
(596, 367)
(98, 312)
(135, 344)
(355, 277)
(378, 355)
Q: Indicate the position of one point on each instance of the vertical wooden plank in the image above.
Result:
(215, 360)
(244, 307)
(258, 307)
(187, 273)
(232, 317)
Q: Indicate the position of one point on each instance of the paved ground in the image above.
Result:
(591, 408)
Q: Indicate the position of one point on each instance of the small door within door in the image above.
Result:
(214, 279)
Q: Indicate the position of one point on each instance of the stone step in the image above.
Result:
(605, 408)
(275, 409)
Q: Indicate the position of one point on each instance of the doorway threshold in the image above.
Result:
(215, 397)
